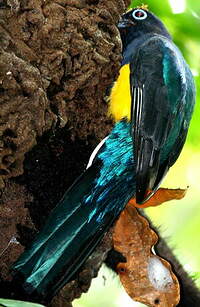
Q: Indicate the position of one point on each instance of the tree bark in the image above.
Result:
(57, 59)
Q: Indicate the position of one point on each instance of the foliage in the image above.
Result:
(13, 303)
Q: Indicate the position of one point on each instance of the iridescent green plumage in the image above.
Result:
(163, 97)
(132, 161)
(81, 218)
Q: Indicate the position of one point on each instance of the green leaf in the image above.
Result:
(13, 303)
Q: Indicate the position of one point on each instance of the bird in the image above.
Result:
(151, 103)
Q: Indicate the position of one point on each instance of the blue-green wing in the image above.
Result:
(163, 93)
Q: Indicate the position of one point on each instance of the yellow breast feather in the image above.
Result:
(120, 97)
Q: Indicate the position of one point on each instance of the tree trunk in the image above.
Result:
(57, 59)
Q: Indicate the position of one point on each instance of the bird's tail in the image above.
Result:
(71, 233)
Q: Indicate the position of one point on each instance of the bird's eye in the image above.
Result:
(121, 269)
(139, 14)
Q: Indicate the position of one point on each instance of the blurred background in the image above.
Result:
(179, 221)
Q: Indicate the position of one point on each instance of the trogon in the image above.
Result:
(152, 103)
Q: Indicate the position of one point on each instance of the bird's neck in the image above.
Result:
(131, 47)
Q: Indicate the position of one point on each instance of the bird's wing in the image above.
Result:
(160, 115)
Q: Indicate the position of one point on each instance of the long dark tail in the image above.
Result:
(71, 233)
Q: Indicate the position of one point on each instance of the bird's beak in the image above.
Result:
(124, 23)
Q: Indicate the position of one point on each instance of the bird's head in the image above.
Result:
(137, 22)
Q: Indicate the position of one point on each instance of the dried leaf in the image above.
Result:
(162, 195)
(146, 277)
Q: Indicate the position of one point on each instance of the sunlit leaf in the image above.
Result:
(13, 303)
